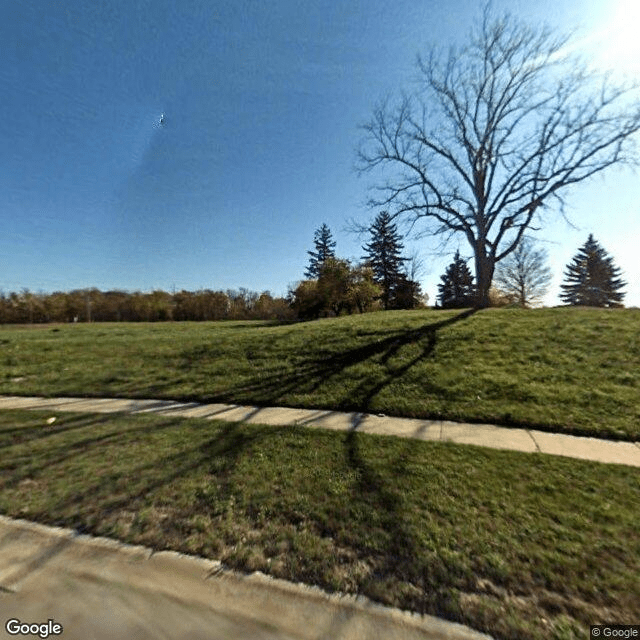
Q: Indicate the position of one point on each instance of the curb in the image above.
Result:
(295, 610)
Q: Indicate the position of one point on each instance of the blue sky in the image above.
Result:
(262, 103)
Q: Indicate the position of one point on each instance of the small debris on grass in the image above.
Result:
(51, 420)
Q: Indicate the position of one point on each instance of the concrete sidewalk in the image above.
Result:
(484, 435)
(102, 589)
(99, 589)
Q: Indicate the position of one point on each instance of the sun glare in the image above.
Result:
(618, 44)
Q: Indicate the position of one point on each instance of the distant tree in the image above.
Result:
(53, 305)
(408, 293)
(457, 289)
(333, 285)
(324, 249)
(523, 277)
(76, 306)
(211, 305)
(345, 289)
(384, 254)
(305, 300)
(269, 308)
(340, 288)
(241, 303)
(161, 304)
(4, 310)
(362, 291)
(499, 299)
(93, 305)
(592, 279)
(114, 306)
(27, 304)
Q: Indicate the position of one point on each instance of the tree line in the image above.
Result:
(334, 287)
(93, 305)
(495, 132)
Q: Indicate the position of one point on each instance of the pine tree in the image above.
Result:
(457, 289)
(592, 279)
(384, 256)
(408, 294)
(324, 244)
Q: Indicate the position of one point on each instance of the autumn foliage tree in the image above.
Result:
(340, 289)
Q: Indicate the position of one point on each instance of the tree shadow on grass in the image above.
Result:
(310, 373)
(408, 563)
(102, 492)
(46, 447)
(64, 424)
(99, 497)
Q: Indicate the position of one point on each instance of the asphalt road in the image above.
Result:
(98, 589)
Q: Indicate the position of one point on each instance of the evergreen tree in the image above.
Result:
(325, 245)
(592, 279)
(457, 289)
(408, 294)
(383, 255)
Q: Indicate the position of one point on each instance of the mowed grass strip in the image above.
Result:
(522, 546)
(569, 370)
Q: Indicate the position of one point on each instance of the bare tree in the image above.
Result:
(494, 132)
(523, 277)
(414, 267)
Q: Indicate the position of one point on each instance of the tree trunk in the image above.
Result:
(485, 266)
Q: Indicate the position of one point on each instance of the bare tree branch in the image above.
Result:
(493, 134)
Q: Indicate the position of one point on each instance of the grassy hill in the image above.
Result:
(568, 369)
(522, 546)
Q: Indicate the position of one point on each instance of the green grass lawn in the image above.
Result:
(521, 546)
(570, 370)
